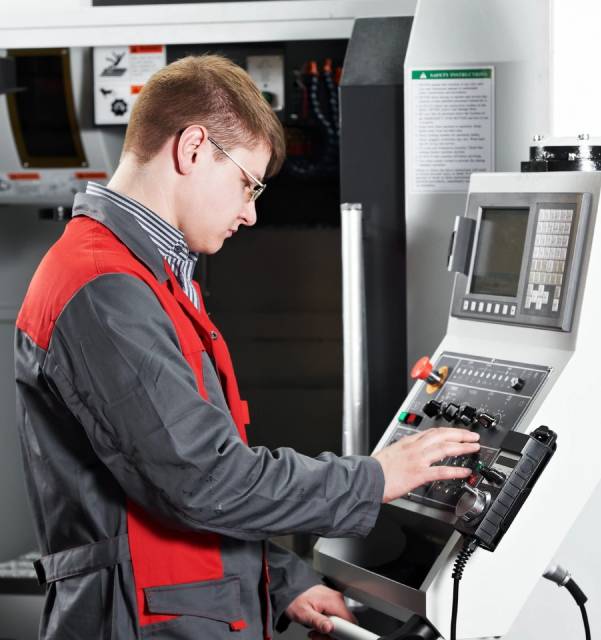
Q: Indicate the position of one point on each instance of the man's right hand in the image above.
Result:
(407, 464)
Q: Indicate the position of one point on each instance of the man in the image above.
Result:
(152, 512)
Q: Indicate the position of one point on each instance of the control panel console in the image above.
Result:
(486, 395)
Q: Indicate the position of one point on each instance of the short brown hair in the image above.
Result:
(209, 90)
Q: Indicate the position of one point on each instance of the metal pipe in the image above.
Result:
(355, 429)
(345, 630)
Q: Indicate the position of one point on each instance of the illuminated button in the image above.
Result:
(497, 308)
(403, 416)
(555, 305)
(539, 304)
(480, 307)
(513, 310)
(466, 304)
(473, 305)
(413, 419)
(489, 307)
(505, 309)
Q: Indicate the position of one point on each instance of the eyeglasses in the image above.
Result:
(258, 187)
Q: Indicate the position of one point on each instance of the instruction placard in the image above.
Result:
(119, 75)
(452, 127)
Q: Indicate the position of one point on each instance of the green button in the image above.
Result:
(403, 416)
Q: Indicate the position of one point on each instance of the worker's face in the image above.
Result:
(215, 199)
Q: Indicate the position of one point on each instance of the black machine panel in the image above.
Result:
(487, 395)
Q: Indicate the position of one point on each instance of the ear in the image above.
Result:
(191, 143)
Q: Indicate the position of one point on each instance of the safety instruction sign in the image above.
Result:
(119, 75)
(452, 127)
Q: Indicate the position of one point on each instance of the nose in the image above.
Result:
(249, 214)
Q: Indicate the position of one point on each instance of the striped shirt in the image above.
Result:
(168, 240)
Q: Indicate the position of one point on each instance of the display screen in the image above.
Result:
(42, 114)
(499, 251)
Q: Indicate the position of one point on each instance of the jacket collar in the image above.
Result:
(125, 227)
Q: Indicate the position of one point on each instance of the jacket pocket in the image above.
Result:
(217, 600)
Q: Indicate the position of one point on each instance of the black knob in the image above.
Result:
(486, 420)
(492, 475)
(467, 415)
(432, 409)
(517, 383)
(450, 412)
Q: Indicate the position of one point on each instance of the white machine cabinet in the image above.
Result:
(520, 351)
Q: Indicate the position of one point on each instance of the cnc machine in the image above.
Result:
(516, 357)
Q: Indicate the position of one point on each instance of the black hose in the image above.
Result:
(587, 629)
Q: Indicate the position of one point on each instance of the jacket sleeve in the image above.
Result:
(114, 359)
(290, 576)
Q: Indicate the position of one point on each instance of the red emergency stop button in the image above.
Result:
(423, 370)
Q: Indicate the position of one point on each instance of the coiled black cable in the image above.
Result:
(469, 546)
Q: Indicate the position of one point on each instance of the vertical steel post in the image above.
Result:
(355, 428)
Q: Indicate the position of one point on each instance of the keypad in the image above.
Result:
(548, 263)
(485, 308)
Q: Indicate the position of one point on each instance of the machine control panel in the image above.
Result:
(486, 395)
(521, 257)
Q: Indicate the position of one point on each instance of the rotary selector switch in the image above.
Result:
(467, 415)
(472, 504)
(450, 412)
(486, 420)
(517, 384)
(432, 409)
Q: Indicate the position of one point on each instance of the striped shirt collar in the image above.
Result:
(167, 239)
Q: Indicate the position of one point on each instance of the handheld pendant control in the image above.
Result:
(486, 512)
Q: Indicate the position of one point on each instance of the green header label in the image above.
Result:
(451, 74)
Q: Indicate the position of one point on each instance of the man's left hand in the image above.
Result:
(313, 607)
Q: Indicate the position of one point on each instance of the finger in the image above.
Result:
(337, 607)
(319, 622)
(446, 473)
(437, 452)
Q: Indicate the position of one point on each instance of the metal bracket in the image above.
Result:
(460, 249)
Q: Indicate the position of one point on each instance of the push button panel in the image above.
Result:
(549, 258)
(485, 395)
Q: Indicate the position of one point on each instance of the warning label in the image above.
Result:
(119, 75)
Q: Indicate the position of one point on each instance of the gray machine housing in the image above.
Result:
(404, 566)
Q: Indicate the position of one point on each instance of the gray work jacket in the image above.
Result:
(109, 414)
